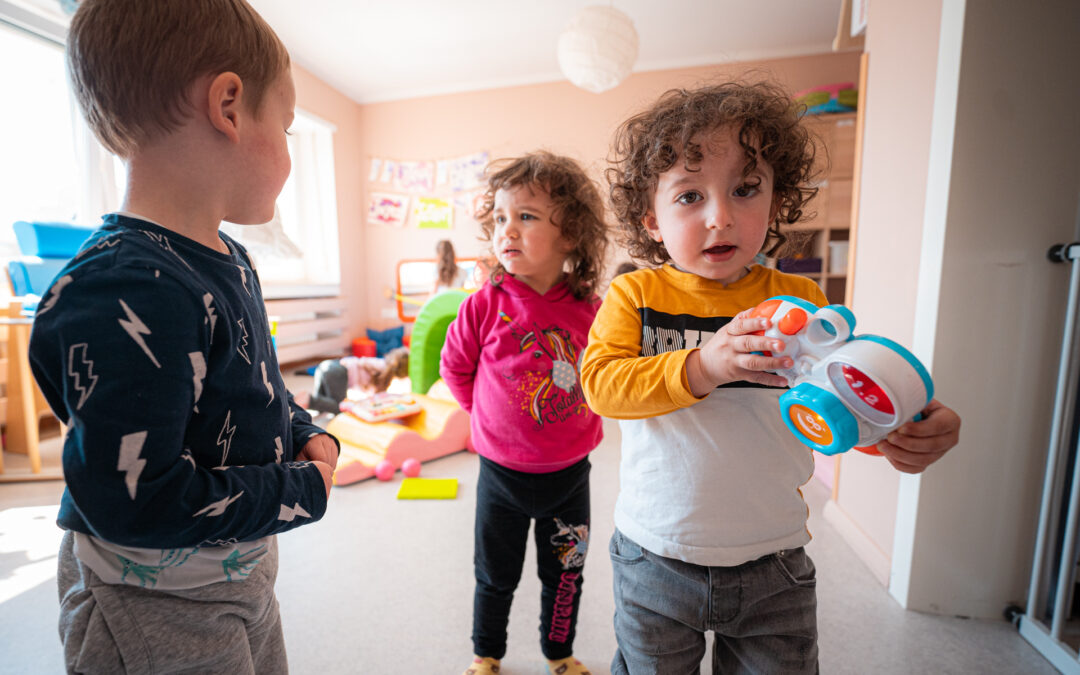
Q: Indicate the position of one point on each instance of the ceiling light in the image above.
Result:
(597, 49)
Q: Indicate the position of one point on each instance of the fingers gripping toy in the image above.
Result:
(846, 390)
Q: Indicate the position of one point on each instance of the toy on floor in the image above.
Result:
(382, 407)
(440, 428)
(384, 470)
(847, 390)
(410, 467)
(335, 377)
(428, 488)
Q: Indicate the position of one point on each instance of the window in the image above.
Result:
(53, 169)
(39, 174)
(297, 252)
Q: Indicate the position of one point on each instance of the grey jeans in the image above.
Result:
(227, 627)
(763, 613)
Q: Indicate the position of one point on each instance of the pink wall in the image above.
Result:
(556, 116)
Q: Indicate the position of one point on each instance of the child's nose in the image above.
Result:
(718, 214)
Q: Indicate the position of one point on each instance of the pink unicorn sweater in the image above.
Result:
(511, 360)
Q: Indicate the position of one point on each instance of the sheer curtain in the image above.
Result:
(297, 252)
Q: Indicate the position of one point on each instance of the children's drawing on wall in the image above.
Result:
(466, 173)
(433, 213)
(457, 173)
(388, 209)
(388, 171)
(415, 176)
(469, 202)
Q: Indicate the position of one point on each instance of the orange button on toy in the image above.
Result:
(793, 321)
(811, 425)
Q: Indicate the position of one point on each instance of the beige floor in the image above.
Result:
(385, 586)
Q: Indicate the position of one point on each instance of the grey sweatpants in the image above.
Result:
(227, 627)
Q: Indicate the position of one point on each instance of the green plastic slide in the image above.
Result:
(428, 336)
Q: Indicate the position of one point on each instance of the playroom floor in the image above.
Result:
(381, 585)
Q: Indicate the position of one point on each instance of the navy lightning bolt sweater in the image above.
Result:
(155, 351)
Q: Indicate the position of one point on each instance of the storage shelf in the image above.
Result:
(831, 208)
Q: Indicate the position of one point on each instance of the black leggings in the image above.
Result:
(506, 502)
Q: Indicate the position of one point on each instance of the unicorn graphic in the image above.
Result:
(557, 394)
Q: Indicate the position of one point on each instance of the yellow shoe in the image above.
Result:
(567, 666)
(482, 666)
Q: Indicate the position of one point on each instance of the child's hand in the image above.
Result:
(728, 356)
(320, 448)
(327, 475)
(917, 445)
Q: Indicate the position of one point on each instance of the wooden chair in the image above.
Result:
(23, 405)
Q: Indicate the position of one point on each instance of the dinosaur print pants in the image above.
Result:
(227, 627)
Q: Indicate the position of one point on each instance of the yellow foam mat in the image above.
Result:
(428, 488)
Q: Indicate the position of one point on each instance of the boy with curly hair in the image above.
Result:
(185, 454)
(710, 521)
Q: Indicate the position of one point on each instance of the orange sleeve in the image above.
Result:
(618, 381)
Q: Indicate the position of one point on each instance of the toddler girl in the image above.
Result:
(511, 360)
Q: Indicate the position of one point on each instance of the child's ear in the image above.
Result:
(652, 227)
(774, 210)
(225, 96)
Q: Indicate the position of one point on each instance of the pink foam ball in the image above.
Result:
(384, 470)
(410, 468)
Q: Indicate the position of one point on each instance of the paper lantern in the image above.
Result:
(598, 48)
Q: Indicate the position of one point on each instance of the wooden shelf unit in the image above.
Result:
(830, 211)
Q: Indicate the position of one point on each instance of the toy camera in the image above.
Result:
(847, 390)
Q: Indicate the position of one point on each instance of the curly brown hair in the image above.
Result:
(649, 143)
(578, 211)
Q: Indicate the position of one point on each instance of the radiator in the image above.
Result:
(308, 328)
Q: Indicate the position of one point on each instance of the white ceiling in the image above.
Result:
(379, 50)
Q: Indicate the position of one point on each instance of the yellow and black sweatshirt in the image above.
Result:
(715, 480)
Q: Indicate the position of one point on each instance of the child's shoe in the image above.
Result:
(482, 666)
(567, 666)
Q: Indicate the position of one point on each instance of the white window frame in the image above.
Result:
(306, 214)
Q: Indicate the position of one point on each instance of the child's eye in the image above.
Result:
(499, 220)
(747, 189)
(689, 197)
(288, 133)
(528, 216)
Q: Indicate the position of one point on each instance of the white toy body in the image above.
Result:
(847, 391)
